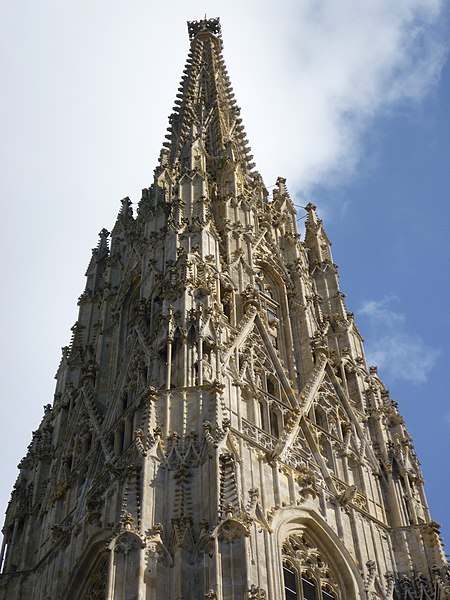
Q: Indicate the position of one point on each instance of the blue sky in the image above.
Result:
(349, 100)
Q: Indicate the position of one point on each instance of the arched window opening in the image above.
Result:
(270, 306)
(95, 588)
(262, 415)
(290, 582)
(226, 295)
(271, 387)
(274, 423)
(320, 418)
(192, 335)
(87, 443)
(399, 483)
(306, 574)
(176, 342)
(118, 439)
(309, 588)
(124, 402)
(128, 432)
(353, 387)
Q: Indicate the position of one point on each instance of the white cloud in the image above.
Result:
(382, 312)
(344, 63)
(398, 353)
(402, 356)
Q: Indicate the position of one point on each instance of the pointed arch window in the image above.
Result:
(96, 588)
(274, 423)
(269, 302)
(306, 575)
(262, 415)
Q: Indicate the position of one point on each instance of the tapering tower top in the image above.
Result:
(206, 131)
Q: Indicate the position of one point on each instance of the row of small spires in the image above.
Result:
(126, 209)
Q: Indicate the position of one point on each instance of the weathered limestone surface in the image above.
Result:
(214, 418)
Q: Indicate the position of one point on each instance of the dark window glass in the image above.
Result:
(271, 387)
(274, 429)
(327, 595)
(262, 415)
(290, 584)
(309, 589)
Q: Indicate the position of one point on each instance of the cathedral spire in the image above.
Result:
(214, 404)
(205, 127)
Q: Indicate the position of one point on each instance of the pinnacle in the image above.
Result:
(312, 220)
(102, 247)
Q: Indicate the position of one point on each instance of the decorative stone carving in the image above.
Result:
(299, 551)
(307, 481)
(96, 588)
(256, 593)
(156, 547)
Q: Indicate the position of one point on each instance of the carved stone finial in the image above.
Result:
(204, 26)
(127, 521)
(126, 210)
(103, 234)
(371, 574)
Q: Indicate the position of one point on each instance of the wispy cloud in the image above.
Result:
(398, 353)
(345, 64)
(403, 356)
(382, 312)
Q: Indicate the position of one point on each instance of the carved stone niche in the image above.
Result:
(235, 525)
(234, 528)
(126, 548)
(127, 543)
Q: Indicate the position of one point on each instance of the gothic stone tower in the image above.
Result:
(215, 431)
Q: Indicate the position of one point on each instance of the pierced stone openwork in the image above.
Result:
(96, 588)
(306, 574)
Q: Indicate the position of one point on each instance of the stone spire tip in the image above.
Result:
(205, 26)
(310, 207)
